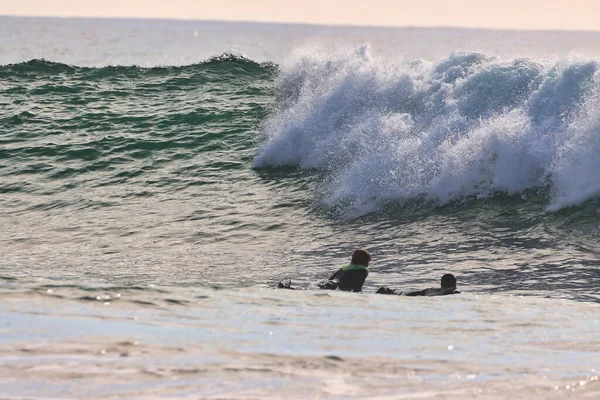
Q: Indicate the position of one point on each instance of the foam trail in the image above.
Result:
(469, 125)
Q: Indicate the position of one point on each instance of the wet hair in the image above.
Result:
(448, 281)
(361, 257)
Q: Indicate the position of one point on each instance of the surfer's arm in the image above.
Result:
(418, 293)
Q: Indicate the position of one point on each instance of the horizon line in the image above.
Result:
(307, 24)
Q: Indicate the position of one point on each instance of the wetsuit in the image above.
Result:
(349, 278)
(387, 290)
(434, 292)
(427, 292)
(286, 285)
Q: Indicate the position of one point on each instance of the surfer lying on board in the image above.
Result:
(349, 278)
(448, 286)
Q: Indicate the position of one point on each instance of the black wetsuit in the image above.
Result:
(286, 285)
(387, 290)
(349, 278)
(427, 292)
(434, 292)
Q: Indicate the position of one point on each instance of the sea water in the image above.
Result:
(158, 178)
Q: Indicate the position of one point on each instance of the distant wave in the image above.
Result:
(467, 126)
(224, 60)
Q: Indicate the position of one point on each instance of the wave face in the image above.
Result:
(469, 126)
(99, 166)
(78, 126)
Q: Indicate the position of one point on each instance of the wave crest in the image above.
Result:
(224, 60)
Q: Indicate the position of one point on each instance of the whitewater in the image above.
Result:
(158, 178)
(467, 126)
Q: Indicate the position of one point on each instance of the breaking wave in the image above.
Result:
(468, 126)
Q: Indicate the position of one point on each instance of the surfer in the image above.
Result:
(349, 278)
(448, 286)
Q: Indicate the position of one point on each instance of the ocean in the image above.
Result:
(159, 178)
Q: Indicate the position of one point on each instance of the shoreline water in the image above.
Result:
(265, 343)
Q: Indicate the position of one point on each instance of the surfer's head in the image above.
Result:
(361, 257)
(448, 281)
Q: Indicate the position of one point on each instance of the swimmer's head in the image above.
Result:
(361, 257)
(448, 281)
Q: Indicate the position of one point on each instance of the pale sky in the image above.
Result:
(510, 14)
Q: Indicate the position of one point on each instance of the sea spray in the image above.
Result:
(383, 130)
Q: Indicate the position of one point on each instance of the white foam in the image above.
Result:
(470, 125)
